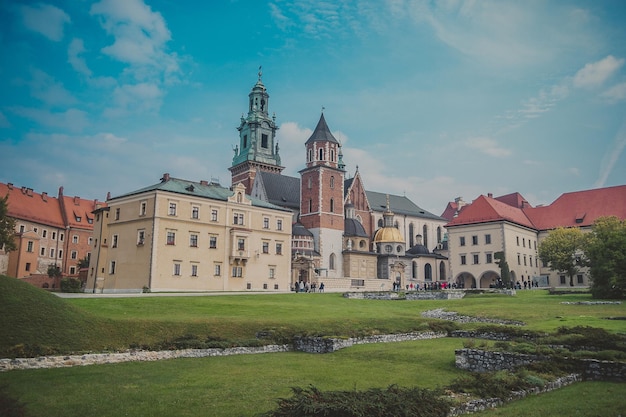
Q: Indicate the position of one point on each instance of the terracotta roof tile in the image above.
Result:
(25, 204)
(486, 209)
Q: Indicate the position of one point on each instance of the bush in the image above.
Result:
(491, 384)
(71, 285)
(441, 326)
(391, 402)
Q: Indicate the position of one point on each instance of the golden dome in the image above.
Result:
(388, 235)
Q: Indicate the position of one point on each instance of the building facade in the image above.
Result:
(509, 226)
(50, 232)
(180, 235)
(335, 218)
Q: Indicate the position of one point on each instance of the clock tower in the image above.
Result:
(257, 149)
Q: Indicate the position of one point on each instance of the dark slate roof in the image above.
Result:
(398, 205)
(321, 133)
(419, 250)
(281, 190)
(298, 229)
(211, 191)
(353, 227)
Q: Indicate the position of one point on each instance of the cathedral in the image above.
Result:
(343, 235)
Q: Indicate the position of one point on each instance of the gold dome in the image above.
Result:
(388, 235)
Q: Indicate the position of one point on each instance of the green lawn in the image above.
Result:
(247, 385)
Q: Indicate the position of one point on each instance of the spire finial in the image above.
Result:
(260, 72)
(323, 108)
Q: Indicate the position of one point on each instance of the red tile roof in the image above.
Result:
(575, 209)
(486, 209)
(25, 204)
(580, 208)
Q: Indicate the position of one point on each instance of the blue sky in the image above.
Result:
(432, 99)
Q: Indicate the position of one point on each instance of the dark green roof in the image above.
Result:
(399, 205)
(210, 191)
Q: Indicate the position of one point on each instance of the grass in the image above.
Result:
(248, 385)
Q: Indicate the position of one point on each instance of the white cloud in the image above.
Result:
(128, 98)
(45, 19)
(616, 93)
(487, 146)
(77, 62)
(72, 120)
(596, 73)
(47, 89)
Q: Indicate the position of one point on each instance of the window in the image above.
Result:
(22, 228)
(309, 183)
(517, 238)
(272, 272)
(266, 222)
(524, 259)
(266, 247)
(264, 140)
(463, 262)
(245, 141)
(142, 208)
(487, 239)
(141, 237)
(310, 205)
(172, 209)
(75, 239)
(54, 235)
(475, 256)
(176, 268)
(29, 246)
(194, 270)
(217, 270)
(171, 238)
(74, 254)
(489, 258)
(61, 236)
(562, 279)
(332, 182)
(72, 270)
(114, 241)
(331, 261)
(238, 218)
(279, 224)
(321, 155)
(28, 266)
(117, 214)
(332, 205)
(519, 259)
(279, 249)
(237, 272)
(213, 215)
(90, 241)
(42, 252)
(523, 242)
(462, 240)
(241, 244)
(112, 268)
(44, 233)
(78, 218)
(52, 252)
(60, 253)
(428, 272)
(474, 240)
(579, 279)
(195, 212)
(193, 240)
(212, 242)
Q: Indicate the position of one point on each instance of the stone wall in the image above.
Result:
(411, 295)
(329, 345)
(476, 360)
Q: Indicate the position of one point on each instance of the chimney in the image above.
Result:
(60, 192)
(204, 182)
(29, 192)
(10, 185)
(108, 195)
(44, 196)
(166, 177)
(23, 190)
(490, 195)
(76, 200)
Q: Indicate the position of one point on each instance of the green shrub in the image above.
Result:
(469, 343)
(491, 384)
(441, 326)
(71, 285)
(391, 402)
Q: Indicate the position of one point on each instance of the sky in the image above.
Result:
(430, 99)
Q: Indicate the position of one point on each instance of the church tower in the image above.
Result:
(321, 197)
(257, 149)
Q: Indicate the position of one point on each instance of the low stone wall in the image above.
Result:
(329, 345)
(482, 404)
(442, 314)
(474, 334)
(140, 355)
(476, 360)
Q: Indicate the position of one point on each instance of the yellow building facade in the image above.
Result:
(180, 235)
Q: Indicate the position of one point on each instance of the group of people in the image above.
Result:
(427, 286)
(302, 286)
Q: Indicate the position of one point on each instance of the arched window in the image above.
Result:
(332, 155)
(411, 234)
(380, 222)
(428, 272)
(321, 151)
(310, 206)
(331, 262)
(309, 183)
(442, 271)
(332, 205)
(425, 235)
(414, 270)
(310, 155)
(439, 234)
(332, 181)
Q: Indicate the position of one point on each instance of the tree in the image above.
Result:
(7, 226)
(83, 263)
(562, 251)
(505, 272)
(606, 251)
